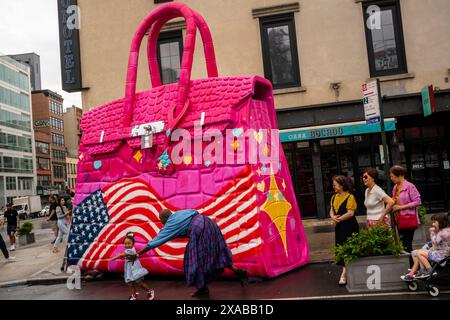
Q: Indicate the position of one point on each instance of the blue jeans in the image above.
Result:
(63, 230)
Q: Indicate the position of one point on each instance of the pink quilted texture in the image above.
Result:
(217, 97)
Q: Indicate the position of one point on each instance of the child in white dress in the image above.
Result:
(133, 271)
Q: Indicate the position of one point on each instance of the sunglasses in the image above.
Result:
(365, 177)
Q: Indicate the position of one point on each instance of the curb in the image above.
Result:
(34, 282)
(15, 283)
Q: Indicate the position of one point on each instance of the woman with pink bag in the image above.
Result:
(407, 199)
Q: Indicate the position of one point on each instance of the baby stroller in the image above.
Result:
(440, 276)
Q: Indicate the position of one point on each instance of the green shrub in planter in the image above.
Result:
(422, 211)
(377, 241)
(25, 229)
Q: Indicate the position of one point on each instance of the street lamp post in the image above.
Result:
(386, 156)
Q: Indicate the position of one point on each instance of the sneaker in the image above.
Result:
(11, 259)
(422, 275)
(13, 248)
(419, 274)
(132, 297)
(407, 277)
(150, 294)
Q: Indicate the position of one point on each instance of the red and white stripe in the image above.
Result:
(134, 206)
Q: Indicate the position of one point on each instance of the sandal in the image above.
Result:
(342, 281)
(150, 294)
(242, 275)
(202, 292)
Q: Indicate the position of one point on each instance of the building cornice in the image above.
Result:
(277, 9)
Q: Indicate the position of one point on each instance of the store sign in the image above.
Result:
(371, 102)
(428, 101)
(41, 124)
(334, 131)
(69, 44)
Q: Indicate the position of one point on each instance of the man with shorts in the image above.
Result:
(12, 223)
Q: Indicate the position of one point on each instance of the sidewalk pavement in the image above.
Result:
(34, 263)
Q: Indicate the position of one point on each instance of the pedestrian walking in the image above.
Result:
(407, 199)
(12, 224)
(52, 215)
(378, 203)
(206, 255)
(61, 213)
(134, 272)
(342, 212)
(3, 247)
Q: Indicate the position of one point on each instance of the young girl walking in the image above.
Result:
(134, 272)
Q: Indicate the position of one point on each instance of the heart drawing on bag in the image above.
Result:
(97, 164)
(258, 136)
(237, 132)
(187, 160)
(261, 186)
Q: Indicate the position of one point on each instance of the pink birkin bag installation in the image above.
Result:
(136, 159)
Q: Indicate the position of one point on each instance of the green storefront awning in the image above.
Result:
(335, 130)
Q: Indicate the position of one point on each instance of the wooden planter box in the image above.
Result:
(26, 239)
(374, 274)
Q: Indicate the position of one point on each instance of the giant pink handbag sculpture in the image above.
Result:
(131, 167)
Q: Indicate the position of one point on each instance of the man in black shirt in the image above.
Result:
(12, 223)
(52, 215)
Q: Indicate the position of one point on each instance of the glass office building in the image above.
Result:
(17, 168)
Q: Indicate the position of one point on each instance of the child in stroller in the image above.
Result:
(433, 259)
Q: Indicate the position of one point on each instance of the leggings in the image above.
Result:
(407, 237)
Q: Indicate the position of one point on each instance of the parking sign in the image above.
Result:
(371, 103)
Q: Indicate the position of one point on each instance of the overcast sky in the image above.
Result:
(32, 26)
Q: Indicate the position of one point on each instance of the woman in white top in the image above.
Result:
(63, 229)
(377, 202)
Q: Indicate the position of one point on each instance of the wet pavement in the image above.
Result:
(315, 281)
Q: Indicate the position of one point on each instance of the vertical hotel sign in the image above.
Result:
(69, 44)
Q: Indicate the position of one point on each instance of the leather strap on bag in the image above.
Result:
(164, 10)
(211, 65)
(154, 21)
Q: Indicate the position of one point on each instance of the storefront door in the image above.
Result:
(299, 157)
(426, 158)
(314, 163)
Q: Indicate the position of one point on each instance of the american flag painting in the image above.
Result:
(102, 220)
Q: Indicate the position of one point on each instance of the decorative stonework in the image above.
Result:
(278, 9)
(172, 26)
(394, 77)
(289, 90)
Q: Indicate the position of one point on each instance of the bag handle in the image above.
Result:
(208, 46)
(186, 64)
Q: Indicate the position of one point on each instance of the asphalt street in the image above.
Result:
(315, 281)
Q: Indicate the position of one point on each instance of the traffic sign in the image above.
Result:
(371, 102)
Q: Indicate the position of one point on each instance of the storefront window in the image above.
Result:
(411, 133)
(326, 142)
(430, 131)
(343, 140)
